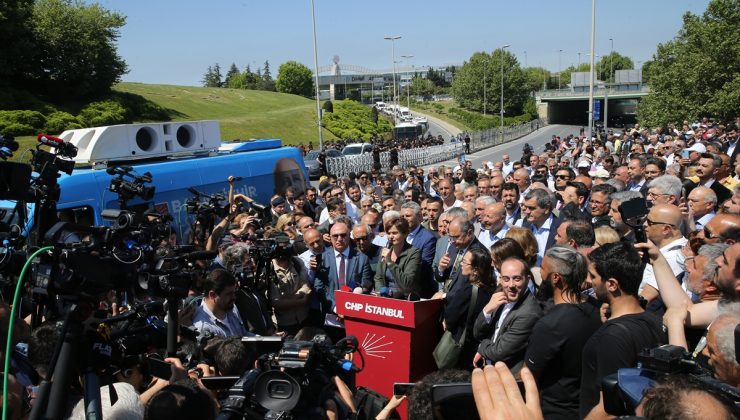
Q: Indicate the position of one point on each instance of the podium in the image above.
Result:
(396, 338)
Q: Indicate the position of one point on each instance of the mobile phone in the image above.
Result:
(453, 401)
(403, 388)
(218, 382)
(158, 368)
(685, 153)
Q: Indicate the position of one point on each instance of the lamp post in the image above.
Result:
(591, 72)
(393, 56)
(579, 60)
(502, 90)
(484, 86)
(606, 85)
(408, 85)
(560, 54)
(316, 72)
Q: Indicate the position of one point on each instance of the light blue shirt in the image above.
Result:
(230, 326)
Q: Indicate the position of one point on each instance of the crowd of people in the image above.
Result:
(558, 268)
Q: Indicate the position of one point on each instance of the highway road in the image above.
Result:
(537, 140)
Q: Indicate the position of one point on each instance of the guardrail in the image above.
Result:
(342, 166)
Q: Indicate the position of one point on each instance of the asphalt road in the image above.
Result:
(537, 140)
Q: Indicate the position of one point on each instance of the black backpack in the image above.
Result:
(369, 404)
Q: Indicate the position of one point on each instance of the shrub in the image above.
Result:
(328, 106)
(59, 121)
(17, 129)
(103, 113)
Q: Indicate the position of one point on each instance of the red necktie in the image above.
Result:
(341, 271)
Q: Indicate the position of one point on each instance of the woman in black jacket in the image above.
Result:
(476, 269)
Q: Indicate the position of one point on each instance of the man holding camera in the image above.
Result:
(289, 290)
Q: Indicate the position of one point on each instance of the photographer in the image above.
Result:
(289, 288)
(251, 302)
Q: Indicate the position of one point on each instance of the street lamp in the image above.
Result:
(408, 85)
(591, 72)
(502, 89)
(560, 54)
(393, 56)
(606, 85)
(316, 72)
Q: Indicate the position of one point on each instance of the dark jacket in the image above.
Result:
(511, 343)
(426, 242)
(326, 281)
(405, 272)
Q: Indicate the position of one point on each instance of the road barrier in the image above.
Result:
(342, 166)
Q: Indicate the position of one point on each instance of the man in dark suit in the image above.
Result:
(341, 266)
(363, 236)
(706, 169)
(574, 197)
(538, 217)
(504, 325)
(425, 241)
(461, 234)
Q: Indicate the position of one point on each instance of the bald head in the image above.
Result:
(585, 180)
(470, 208)
(723, 227)
(494, 217)
(666, 213)
(521, 178)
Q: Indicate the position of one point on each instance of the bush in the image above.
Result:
(17, 129)
(59, 121)
(21, 123)
(103, 113)
(352, 120)
(328, 106)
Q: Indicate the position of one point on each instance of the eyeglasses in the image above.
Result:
(339, 235)
(653, 195)
(361, 238)
(562, 176)
(708, 234)
(652, 222)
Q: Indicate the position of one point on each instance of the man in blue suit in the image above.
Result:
(340, 266)
(538, 218)
(425, 241)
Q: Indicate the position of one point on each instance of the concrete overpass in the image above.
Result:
(570, 105)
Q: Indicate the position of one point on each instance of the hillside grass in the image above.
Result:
(243, 114)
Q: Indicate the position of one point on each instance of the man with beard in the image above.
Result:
(616, 272)
(505, 324)
(510, 198)
(354, 194)
(707, 168)
(217, 313)
(618, 224)
(554, 349)
(434, 211)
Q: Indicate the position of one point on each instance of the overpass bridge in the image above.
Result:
(570, 105)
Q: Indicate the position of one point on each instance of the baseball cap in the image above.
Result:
(600, 173)
(697, 147)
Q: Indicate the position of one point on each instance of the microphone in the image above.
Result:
(347, 366)
(154, 307)
(345, 289)
(385, 292)
(50, 140)
(201, 255)
(357, 290)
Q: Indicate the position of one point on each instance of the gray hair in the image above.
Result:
(544, 198)
(234, 255)
(712, 252)
(487, 200)
(667, 184)
(464, 223)
(343, 218)
(414, 206)
(366, 227)
(457, 213)
(367, 200)
(709, 196)
(126, 407)
(570, 264)
(622, 196)
(391, 215)
(725, 334)
(616, 183)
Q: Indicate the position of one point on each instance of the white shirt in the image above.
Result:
(507, 168)
(457, 203)
(488, 238)
(636, 187)
(671, 253)
(410, 237)
(541, 234)
(324, 216)
(380, 241)
(504, 313)
(514, 218)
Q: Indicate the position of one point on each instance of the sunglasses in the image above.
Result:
(339, 235)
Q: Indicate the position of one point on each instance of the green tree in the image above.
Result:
(18, 41)
(76, 47)
(613, 61)
(267, 82)
(468, 83)
(697, 73)
(294, 77)
(422, 87)
(232, 76)
(565, 74)
(212, 78)
(536, 78)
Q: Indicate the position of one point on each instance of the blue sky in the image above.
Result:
(174, 41)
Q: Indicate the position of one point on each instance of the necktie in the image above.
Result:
(341, 271)
(453, 272)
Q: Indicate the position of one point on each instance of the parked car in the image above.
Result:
(357, 149)
(312, 165)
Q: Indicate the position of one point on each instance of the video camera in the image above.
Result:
(128, 189)
(205, 206)
(289, 381)
(624, 390)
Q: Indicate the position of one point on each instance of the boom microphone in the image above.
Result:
(50, 140)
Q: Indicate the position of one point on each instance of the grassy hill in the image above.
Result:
(243, 114)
